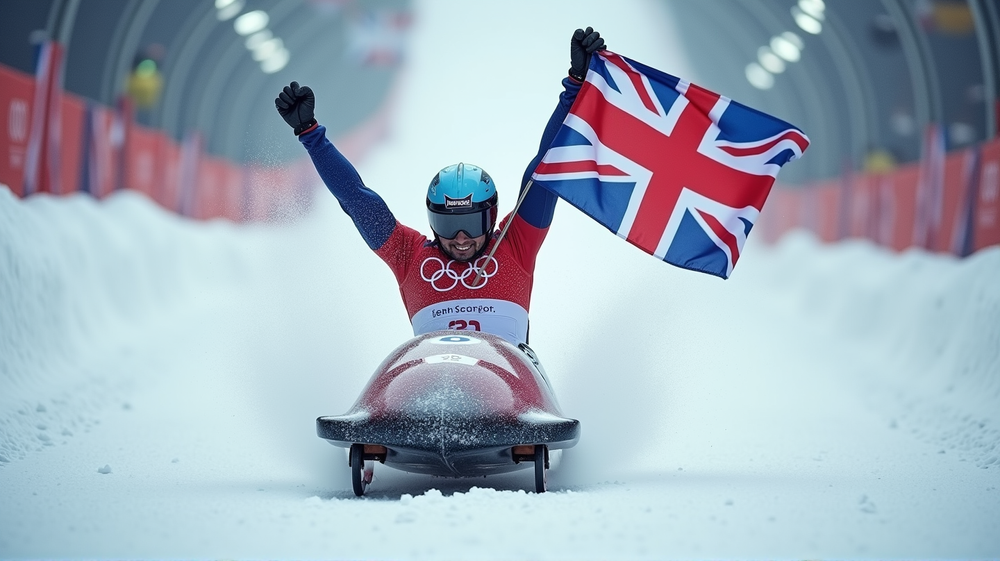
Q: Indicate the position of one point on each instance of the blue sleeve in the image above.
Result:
(366, 208)
(540, 204)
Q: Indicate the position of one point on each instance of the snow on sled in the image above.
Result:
(454, 404)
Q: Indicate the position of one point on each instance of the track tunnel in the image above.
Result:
(899, 98)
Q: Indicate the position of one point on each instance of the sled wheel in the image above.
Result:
(358, 470)
(541, 467)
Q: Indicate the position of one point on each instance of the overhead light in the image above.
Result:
(276, 61)
(814, 8)
(759, 77)
(251, 22)
(267, 49)
(961, 133)
(770, 61)
(256, 39)
(807, 22)
(788, 46)
(793, 39)
(903, 123)
(228, 9)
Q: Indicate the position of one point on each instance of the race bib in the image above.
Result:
(498, 317)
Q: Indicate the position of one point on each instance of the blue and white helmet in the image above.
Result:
(462, 198)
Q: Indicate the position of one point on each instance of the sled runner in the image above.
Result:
(455, 404)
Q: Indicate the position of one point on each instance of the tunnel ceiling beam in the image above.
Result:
(109, 77)
(923, 72)
(62, 15)
(123, 51)
(986, 14)
(213, 111)
(810, 86)
(188, 46)
(857, 82)
(311, 58)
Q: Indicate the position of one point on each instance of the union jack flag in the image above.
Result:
(678, 171)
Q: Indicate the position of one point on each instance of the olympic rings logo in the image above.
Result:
(440, 271)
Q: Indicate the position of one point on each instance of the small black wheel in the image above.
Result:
(357, 464)
(541, 467)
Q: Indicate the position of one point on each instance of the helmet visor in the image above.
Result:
(474, 224)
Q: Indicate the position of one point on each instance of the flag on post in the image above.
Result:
(187, 175)
(42, 162)
(930, 188)
(678, 171)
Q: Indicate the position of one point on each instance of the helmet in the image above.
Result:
(462, 198)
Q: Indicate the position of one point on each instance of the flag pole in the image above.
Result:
(479, 271)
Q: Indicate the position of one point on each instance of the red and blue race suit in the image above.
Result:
(440, 293)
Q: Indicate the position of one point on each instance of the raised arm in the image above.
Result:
(539, 204)
(372, 217)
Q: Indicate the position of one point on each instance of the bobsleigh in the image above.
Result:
(453, 404)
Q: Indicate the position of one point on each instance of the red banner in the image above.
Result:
(74, 113)
(986, 222)
(103, 152)
(826, 200)
(279, 194)
(959, 178)
(187, 184)
(261, 193)
(211, 188)
(16, 91)
(233, 181)
(863, 210)
(930, 189)
(900, 205)
(141, 150)
(168, 173)
(780, 212)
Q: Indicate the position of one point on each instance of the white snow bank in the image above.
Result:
(82, 283)
(927, 326)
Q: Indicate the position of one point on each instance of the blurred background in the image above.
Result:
(901, 99)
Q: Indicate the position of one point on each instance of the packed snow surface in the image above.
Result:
(160, 378)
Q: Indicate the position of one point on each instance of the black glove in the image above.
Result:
(581, 46)
(296, 105)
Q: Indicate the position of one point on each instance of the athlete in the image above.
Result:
(466, 277)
